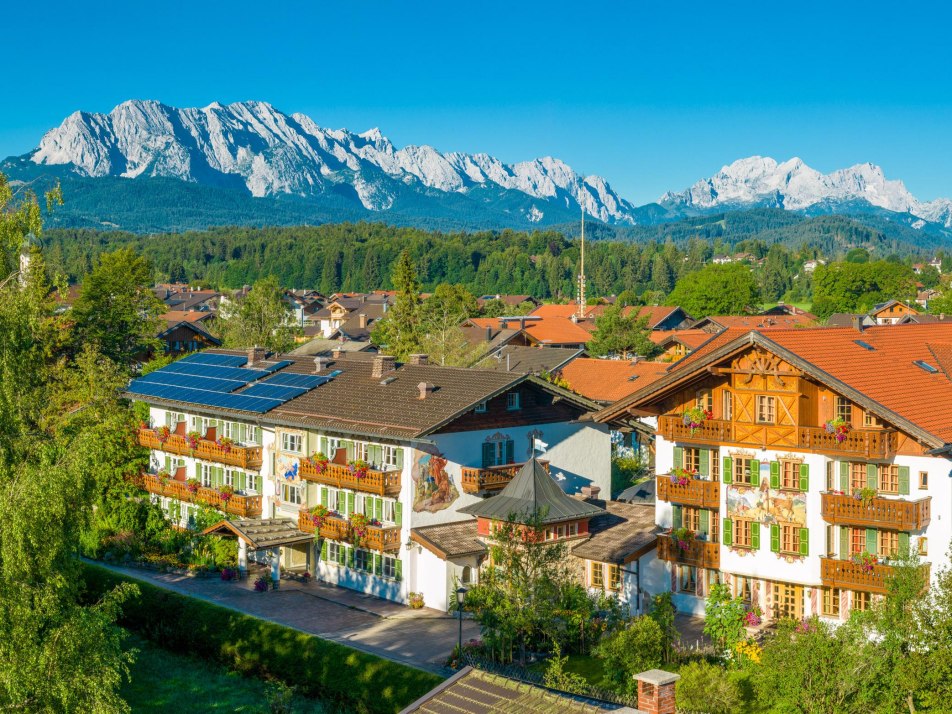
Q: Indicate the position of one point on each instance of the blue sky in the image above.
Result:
(651, 95)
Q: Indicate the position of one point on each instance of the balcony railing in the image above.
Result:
(878, 512)
(492, 478)
(237, 505)
(871, 443)
(700, 553)
(381, 538)
(711, 431)
(854, 576)
(380, 483)
(246, 457)
(696, 492)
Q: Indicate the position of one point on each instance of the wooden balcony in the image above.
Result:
(852, 576)
(245, 457)
(492, 478)
(380, 538)
(869, 443)
(379, 483)
(701, 553)
(696, 492)
(238, 505)
(888, 513)
(712, 431)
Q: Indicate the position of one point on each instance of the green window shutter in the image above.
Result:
(774, 474)
(704, 522)
(804, 541)
(218, 476)
(168, 463)
(755, 536)
(399, 457)
(341, 554)
(676, 517)
(726, 532)
(198, 470)
(903, 480)
(324, 496)
(378, 509)
(168, 419)
(349, 447)
(350, 503)
(398, 513)
(754, 473)
(844, 476)
(872, 476)
(871, 544)
(489, 454)
(510, 452)
(398, 569)
(323, 549)
(804, 477)
(727, 474)
(242, 480)
(678, 457)
(844, 543)
(351, 557)
(903, 544)
(376, 565)
(704, 462)
(242, 433)
(774, 538)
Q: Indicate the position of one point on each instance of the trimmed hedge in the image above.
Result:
(318, 668)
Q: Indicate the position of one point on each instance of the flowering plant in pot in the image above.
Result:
(838, 427)
(415, 600)
(359, 468)
(192, 438)
(319, 514)
(866, 495)
(225, 444)
(262, 584)
(192, 485)
(695, 417)
(866, 560)
(163, 477)
(681, 477)
(226, 493)
(319, 461)
(358, 528)
(163, 433)
(682, 537)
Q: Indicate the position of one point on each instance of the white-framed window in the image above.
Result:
(254, 434)
(390, 455)
(389, 511)
(229, 430)
(766, 409)
(333, 552)
(291, 442)
(252, 481)
(480, 408)
(512, 401)
(361, 450)
(727, 405)
(389, 567)
(228, 478)
(332, 499)
(333, 444)
(206, 475)
(292, 494)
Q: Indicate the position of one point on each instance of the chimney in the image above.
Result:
(857, 322)
(337, 353)
(591, 492)
(362, 320)
(381, 365)
(489, 333)
(425, 389)
(656, 691)
(255, 355)
(419, 359)
(320, 364)
(503, 324)
(574, 317)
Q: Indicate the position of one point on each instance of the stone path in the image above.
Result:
(419, 638)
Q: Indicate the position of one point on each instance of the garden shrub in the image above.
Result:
(705, 687)
(315, 667)
(636, 648)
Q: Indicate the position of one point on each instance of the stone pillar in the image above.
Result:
(242, 558)
(275, 567)
(656, 691)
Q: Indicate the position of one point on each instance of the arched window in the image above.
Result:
(467, 576)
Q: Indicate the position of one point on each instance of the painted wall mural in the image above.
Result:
(766, 505)
(433, 488)
(286, 466)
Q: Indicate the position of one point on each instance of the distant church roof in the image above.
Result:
(532, 491)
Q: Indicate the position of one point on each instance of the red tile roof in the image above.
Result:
(692, 338)
(763, 322)
(557, 331)
(608, 380)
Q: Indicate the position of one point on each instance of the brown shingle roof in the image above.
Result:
(518, 358)
(450, 540)
(625, 530)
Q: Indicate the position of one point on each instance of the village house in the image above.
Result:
(794, 465)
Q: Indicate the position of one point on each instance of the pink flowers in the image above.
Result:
(192, 485)
(682, 477)
(752, 618)
(162, 434)
(225, 444)
(359, 468)
(226, 493)
(866, 560)
(318, 461)
(695, 417)
(839, 428)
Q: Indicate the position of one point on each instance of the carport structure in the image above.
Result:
(262, 535)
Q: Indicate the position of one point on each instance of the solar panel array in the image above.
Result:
(213, 380)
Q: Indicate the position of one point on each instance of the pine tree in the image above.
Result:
(401, 332)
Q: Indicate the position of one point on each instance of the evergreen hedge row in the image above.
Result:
(316, 667)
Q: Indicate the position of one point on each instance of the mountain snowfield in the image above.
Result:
(253, 146)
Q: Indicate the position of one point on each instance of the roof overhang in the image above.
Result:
(261, 534)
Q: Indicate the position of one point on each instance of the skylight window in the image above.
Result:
(925, 366)
(865, 345)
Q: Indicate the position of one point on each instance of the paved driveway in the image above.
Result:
(420, 638)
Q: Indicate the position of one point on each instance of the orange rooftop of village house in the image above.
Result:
(608, 380)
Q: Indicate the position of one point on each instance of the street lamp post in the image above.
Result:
(460, 598)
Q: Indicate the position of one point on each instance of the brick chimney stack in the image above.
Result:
(425, 389)
(362, 320)
(419, 359)
(656, 691)
(381, 364)
(255, 355)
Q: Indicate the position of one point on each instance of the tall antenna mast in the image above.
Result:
(581, 271)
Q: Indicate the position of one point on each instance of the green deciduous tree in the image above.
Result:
(635, 648)
(705, 687)
(262, 318)
(622, 335)
(716, 290)
(117, 311)
(441, 315)
(724, 617)
(856, 287)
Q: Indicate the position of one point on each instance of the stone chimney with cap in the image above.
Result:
(362, 320)
(857, 321)
(426, 389)
(656, 691)
(337, 353)
(381, 364)
(591, 492)
(320, 364)
(419, 359)
(255, 355)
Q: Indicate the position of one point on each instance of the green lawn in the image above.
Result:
(163, 681)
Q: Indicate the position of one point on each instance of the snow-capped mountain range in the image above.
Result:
(264, 153)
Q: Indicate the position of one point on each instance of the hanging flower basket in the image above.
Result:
(838, 428)
(192, 438)
(358, 528)
(319, 514)
(162, 434)
(192, 485)
(682, 477)
(163, 477)
(682, 537)
(358, 468)
(226, 493)
(866, 560)
(695, 417)
(318, 461)
(225, 444)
